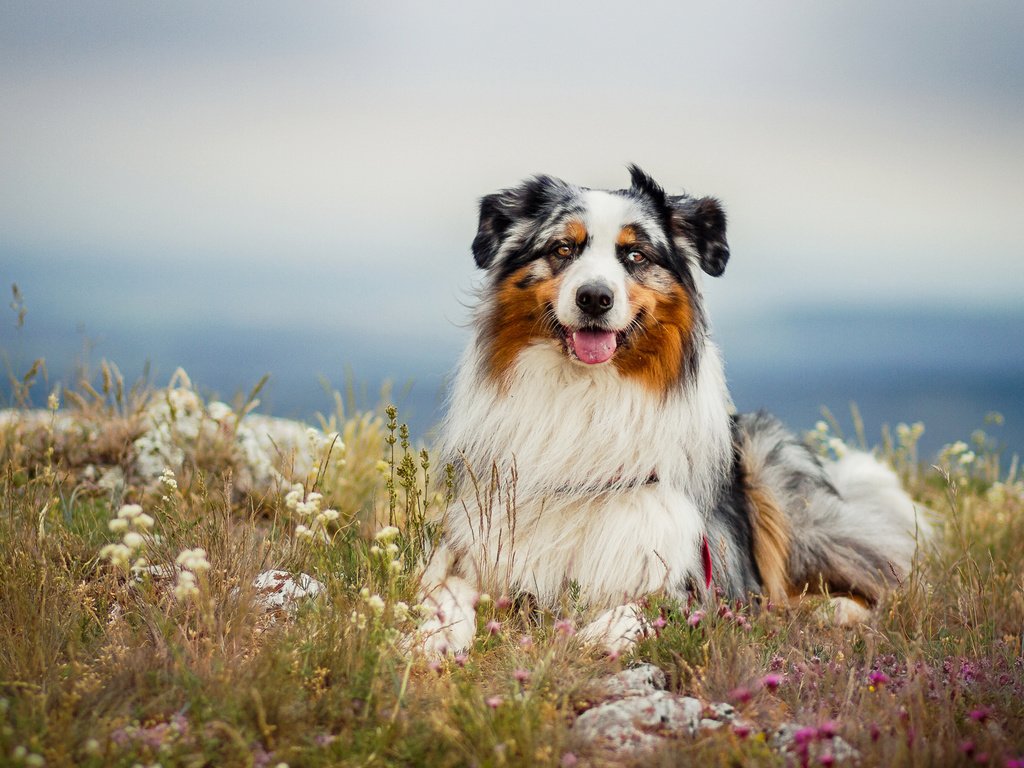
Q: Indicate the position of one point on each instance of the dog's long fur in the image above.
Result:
(617, 471)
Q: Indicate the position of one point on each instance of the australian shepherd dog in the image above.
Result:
(596, 445)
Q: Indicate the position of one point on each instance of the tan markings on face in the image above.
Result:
(654, 355)
(627, 237)
(521, 314)
(576, 232)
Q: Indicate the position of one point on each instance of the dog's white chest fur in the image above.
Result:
(583, 476)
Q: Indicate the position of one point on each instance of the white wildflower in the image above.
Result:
(53, 401)
(837, 446)
(376, 604)
(118, 524)
(396, 566)
(117, 554)
(401, 611)
(168, 480)
(303, 532)
(387, 533)
(821, 426)
(185, 586)
(967, 458)
(133, 540)
(328, 516)
(392, 549)
(193, 559)
(143, 521)
(375, 550)
(294, 497)
(129, 511)
(957, 448)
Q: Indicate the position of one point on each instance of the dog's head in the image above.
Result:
(609, 277)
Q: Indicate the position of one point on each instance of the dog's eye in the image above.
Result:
(635, 257)
(563, 250)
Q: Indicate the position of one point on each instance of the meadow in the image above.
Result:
(131, 632)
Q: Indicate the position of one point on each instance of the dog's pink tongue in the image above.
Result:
(593, 347)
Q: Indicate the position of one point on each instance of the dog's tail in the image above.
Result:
(853, 530)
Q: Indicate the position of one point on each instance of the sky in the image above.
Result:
(267, 165)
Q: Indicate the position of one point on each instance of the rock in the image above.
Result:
(280, 590)
(812, 743)
(638, 723)
(637, 681)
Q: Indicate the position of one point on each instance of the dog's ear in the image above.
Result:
(499, 211)
(496, 216)
(702, 223)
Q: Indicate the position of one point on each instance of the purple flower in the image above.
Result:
(805, 736)
(828, 729)
(695, 618)
(659, 622)
(526, 642)
(565, 627)
(771, 682)
(878, 678)
(967, 747)
(827, 759)
(461, 660)
(493, 702)
(504, 602)
(493, 627)
(981, 714)
(740, 695)
(521, 675)
(742, 731)
(568, 760)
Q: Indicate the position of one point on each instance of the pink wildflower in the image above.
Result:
(740, 695)
(828, 729)
(878, 678)
(493, 627)
(771, 682)
(565, 627)
(695, 618)
(493, 702)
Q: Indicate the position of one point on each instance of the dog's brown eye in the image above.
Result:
(564, 250)
(635, 257)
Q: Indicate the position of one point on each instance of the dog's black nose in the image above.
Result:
(594, 299)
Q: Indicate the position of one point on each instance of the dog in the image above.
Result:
(596, 446)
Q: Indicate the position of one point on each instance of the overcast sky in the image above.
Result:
(296, 163)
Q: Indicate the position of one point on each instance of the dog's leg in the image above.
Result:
(451, 607)
(617, 629)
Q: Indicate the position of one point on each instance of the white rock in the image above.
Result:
(637, 723)
(637, 681)
(280, 590)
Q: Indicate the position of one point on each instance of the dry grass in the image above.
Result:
(99, 669)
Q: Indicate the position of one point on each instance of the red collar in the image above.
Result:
(705, 557)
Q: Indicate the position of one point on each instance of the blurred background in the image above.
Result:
(243, 188)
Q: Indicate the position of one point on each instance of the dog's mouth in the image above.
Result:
(592, 346)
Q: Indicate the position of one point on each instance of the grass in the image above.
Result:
(98, 668)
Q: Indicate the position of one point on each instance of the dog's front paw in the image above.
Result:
(616, 630)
